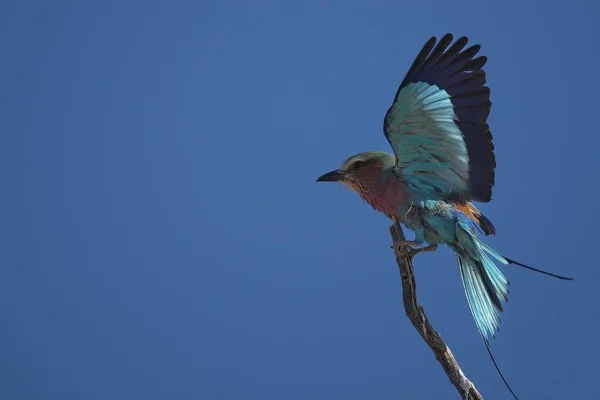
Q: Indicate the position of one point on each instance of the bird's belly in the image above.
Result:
(435, 223)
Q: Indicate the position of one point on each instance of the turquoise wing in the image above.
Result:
(437, 125)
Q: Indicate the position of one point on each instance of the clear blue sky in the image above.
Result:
(162, 235)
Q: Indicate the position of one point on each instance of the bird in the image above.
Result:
(443, 160)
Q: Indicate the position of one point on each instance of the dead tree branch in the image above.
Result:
(417, 316)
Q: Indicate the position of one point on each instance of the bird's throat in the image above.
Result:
(383, 196)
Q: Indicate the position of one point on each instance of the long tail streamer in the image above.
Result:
(485, 285)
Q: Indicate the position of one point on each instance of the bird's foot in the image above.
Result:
(405, 248)
(425, 249)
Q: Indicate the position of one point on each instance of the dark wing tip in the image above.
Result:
(418, 62)
(486, 225)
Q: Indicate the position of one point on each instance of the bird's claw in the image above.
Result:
(405, 248)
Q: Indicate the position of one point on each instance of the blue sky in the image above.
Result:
(162, 235)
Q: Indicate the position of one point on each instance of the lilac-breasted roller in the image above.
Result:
(443, 159)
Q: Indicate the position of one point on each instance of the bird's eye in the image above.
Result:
(357, 164)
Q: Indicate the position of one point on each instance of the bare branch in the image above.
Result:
(417, 316)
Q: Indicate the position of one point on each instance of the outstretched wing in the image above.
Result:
(437, 125)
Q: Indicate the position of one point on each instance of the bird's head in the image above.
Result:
(361, 170)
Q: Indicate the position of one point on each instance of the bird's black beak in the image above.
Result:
(332, 176)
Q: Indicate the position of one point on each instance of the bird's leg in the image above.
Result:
(419, 235)
(410, 243)
(431, 247)
(405, 247)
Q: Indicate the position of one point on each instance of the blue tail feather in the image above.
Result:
(485, 285)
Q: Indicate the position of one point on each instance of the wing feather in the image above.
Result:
(437, 125)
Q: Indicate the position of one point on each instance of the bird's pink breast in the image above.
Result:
(384, 196)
